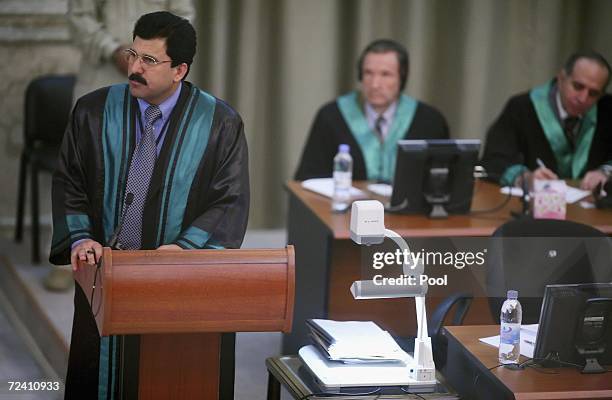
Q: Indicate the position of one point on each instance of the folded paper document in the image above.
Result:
(355, 341)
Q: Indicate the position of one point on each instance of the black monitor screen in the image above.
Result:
(434, 177)
(575, 325)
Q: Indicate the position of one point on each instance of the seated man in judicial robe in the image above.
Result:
(371, 120)
(159, 157)
(560, 130)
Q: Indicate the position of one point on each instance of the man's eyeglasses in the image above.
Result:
(149, 61)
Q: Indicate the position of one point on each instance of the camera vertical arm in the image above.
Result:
(411, 268)
(423, 355)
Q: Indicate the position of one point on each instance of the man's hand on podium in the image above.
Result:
(169, 247)
(88, 251)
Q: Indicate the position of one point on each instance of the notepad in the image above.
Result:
(528, 339)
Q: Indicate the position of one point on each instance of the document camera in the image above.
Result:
(368, 227)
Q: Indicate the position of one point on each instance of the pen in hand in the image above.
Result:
(543, 172)
(540, 163)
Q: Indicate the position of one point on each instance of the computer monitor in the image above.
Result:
(434, 177)
(575, 326)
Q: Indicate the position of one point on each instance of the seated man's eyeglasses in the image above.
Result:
(149, 61)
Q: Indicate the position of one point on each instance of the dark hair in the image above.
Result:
(178, 32)
(589, 55)
(385, 46)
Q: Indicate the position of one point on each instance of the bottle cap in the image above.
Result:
(513, 294)
(344, 148)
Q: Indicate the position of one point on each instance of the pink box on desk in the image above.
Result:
(549, 199)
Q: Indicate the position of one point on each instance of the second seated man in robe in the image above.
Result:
(371, 120)
(559, 130)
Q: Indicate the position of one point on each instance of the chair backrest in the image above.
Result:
(461, 302)
(529, 254)
(48, 101)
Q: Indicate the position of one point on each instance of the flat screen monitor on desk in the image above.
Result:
(575, 326)
(434, 177)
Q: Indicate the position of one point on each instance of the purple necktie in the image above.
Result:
(139, 177)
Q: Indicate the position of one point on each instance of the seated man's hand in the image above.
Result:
(526, 178)
(88, 250)
(544, 173)
(169, 247)
(592, 179)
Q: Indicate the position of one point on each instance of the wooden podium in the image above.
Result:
(180, 303)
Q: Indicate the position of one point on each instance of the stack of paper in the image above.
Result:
(354, 341)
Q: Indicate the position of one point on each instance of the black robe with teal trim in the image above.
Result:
(329, 130)
(517, 137)
(198, 196)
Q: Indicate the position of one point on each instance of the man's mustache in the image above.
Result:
(137, 78)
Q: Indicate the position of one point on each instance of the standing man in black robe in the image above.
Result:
(159, 154)
(559, 130)
(371, 120)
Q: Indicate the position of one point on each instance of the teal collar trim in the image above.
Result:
(379, 157)
(569, 165)
(117, 140)
(185, 159)
(187, 151)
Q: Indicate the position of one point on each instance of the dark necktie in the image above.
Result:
(569, 128)
(380, 121)
(139, 177)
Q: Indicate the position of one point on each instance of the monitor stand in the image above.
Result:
(592, 366)
(438, 194)
(438, 211)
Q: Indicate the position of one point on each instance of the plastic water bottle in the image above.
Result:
(343, 179)
(510, 330)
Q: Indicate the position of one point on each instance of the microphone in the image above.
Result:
(112, 243)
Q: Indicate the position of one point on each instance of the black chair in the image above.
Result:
(460, 303)
(528, 254)
(48, 101)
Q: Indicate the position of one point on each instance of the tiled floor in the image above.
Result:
(17, 362)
